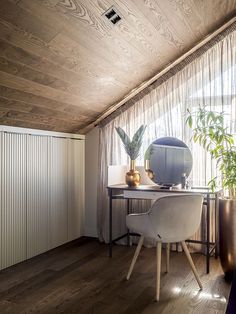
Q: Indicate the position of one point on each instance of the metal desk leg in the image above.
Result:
(208, 236)
(110, 223)
(216, 225)
(128, 211)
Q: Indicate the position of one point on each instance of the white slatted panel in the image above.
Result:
(58, 191)
(75, 188)
(41, 194)
(13, 199)
(1, 185)
(37, 195)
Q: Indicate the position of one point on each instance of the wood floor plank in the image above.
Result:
(79, 277)
(55, 259)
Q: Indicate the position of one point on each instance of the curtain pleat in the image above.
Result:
(208, 80)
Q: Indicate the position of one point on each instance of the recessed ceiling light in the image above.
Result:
(112, 15)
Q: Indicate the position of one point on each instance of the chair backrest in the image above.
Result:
(175, 218)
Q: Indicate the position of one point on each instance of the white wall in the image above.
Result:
(91, 180)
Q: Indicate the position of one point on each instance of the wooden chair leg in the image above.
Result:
(186, 251)
(158, 279)
(137, 251)
(167, 257)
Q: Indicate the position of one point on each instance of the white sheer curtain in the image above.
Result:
(208, 80)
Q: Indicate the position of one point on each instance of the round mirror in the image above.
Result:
(170, 159)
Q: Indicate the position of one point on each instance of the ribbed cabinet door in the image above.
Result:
(1, 205)
(13, 199)
(58, 191)
(37, 195)
(75, 188)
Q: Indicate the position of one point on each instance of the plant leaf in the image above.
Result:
(132, 148)
(139, 134)
(124, 138)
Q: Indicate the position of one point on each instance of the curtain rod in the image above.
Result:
(145, 84)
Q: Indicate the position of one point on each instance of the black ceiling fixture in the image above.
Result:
(112, 15)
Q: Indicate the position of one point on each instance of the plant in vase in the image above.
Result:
(132, 148)
(147, 157)
(209, 131)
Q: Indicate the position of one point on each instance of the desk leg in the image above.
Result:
(110, 223)
(216, 225)
(208, 236)
(128, 211)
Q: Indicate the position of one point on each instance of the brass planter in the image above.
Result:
(227, 235)
(149, 171)
(133, 176)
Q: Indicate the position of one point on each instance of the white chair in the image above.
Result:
(171, 219)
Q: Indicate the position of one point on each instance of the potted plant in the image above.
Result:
(210, 132)
(147, 157)
(132, 148)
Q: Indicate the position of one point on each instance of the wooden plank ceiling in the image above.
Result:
(62, 64)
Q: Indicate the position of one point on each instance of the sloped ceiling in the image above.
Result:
(62, 63)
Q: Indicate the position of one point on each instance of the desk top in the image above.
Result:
(157, 188)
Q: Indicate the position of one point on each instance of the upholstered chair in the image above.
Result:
(171, 219)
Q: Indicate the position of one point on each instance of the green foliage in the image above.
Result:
(149, 152)
(132, 148)
(209, 132)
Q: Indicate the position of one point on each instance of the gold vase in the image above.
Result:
(149, 172)
(132, 177)
(232, 192)
(227, 235)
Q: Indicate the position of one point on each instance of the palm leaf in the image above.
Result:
(124, 137)
(132, 148)
(139, 134)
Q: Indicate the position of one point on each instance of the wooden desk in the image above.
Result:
(120, 191)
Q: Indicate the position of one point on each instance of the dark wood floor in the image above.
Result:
(80, 278)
